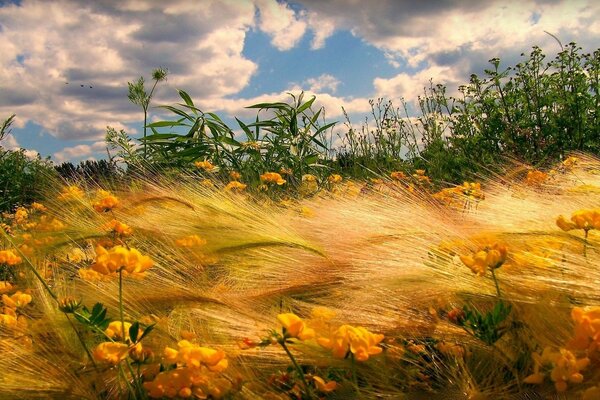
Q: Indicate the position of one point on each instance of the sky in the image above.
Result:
(65, 64)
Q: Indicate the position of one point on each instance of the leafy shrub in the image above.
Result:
(22, 179)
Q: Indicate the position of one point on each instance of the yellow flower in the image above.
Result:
(5, 287)
(585, 219)
(194, 356)
(9, 257)
(536, 178)
(119, 227)
(565, 368)
(356, 340)
(205, 165)
(398, 175)
(294, 327)
(18, 299)
(309, 178)
(8, 320)
(323, 386)
(120, 257)
(38, 207)
(71, 193)
(115, 330)
(570, 162)
(235, 186)
(190, 241)
(334, 178)
(587, 329)
(106, 201)
(488, 258)
(111, 352)
(272, 177)
(235, 176)
(21, 215)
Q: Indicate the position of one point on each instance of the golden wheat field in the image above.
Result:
(375, 290)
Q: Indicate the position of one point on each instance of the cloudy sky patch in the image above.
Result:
(66, 63)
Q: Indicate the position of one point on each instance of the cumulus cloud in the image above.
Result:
(457, 37)
(324, 82)
(285, 26)
(66, 64)
(80, 151)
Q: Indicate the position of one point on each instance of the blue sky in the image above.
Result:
(233, 53)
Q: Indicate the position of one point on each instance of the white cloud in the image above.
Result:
(283, 24)
(81, 151)
(52, 52)
(411, 86)
(456, 38)
(324, 82)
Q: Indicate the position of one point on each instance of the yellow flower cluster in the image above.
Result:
(536, 178)
(235, 186)
(111, 352)
(334, 178)
(71, 193)
(131, 261)
(9, 257)
(190, 241)
(187, 383)
(205, 165)
(272, 177)
(565, 368)
(106, 201)
(18, 299)
(115, 331)
(487, 258)
(196, 374)
(398, 175)
(9, 316)
(356, 340)
(21, 216)
(468, 191)
(235, 176)
(119, 228)
(587, 329)
(420, 176)
(295, 327)
(581, 219)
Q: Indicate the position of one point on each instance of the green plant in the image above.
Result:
(22, 179)
(138, 95)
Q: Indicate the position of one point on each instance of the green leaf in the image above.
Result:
(148, 329)
(160, 124)
(134, 329)
(186, 97)
(278, 106)
(306, 105)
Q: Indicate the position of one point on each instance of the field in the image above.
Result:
(377, 289)
(412, 261)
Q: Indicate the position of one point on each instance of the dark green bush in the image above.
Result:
(22, 179)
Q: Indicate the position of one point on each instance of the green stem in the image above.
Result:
(496, 283)
(121, 303)
(300, 372)
(82, 342)
(127, 383)
(354, 378)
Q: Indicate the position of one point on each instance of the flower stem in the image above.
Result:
(82, 342)
(300, 372)
(121, 303)
(496, 283)
(354, 378)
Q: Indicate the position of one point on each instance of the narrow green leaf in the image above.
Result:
(186, 97)
(134, 330)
